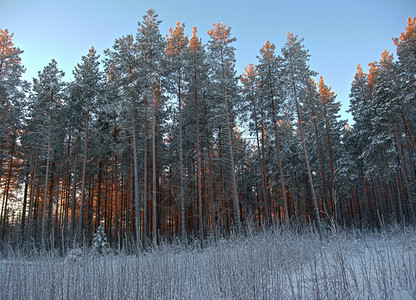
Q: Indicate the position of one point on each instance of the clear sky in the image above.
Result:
(339, 34)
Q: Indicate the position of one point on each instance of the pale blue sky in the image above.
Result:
(339, 34)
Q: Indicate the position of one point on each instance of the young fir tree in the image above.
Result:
(99, 241)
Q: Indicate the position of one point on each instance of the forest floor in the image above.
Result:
(273, 264)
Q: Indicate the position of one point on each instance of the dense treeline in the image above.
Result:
(162, 138)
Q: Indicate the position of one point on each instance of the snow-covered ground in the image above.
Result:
(277, 264)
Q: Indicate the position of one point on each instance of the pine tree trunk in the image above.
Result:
(84, 168)
(333, 190)
(6, 192)
(267, 203)
(279, 158)
(74, 183)
(67, 188)
(261, 161)
(308, 169)
(32, 189)
(236, 212)
(24, 205)
(45, 199)
(154, 179)
(198, 170)
(115, 181)
(98, 214)
(145, 187)
(181, 173)
(321, 170)
(136, 172)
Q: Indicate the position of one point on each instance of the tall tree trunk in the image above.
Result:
(154, 181)
(305, 154)
(45, 199)
(136, 172)
(67, 188)
(279, 158)
(84, 167)
(115, 183)
(321, 169)
(181, 173)
(74, 182)
(22, 224)
(331, 165)
(33, 188)
(98, 214)
(236, 213)
(261, 161)
(6, 192)
(145, 186)
(198, 169)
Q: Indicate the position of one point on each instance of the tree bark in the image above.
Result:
(84, 168)
(45, 199)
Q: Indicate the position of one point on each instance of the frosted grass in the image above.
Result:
(277, 264)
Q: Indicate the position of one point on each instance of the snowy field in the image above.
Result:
(278, 264)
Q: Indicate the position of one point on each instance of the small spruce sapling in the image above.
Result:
(99, 242)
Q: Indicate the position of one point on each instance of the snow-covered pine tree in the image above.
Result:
(333, 133)
(406, 44)
(48, 89)
(252, 103)
(125, 87)
(151, 59)
(12, 102)
(297, 75)
(176, 45)
(194, 120)
(88, 86)
(272, 93)
(224, 87)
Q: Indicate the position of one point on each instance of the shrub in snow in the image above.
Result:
(73, 256)
(99, 242)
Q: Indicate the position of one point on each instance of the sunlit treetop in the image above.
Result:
(386, 58)
(249, 75)
(372, 73)
(177, 41)
(409, 36)
(194, 43)
(219, 32)
(359, 73)
(267, 51)
(9, 54)
(386, 62)
(325, 94)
